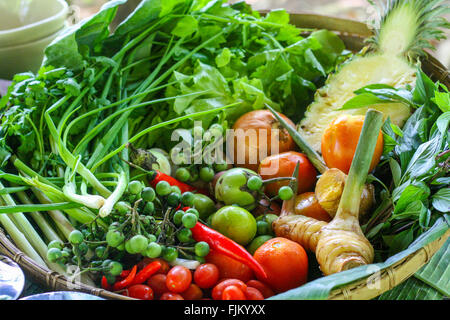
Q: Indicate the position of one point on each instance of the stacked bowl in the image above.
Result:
(26, 28)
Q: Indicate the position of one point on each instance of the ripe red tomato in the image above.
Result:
(192, 293)
(229, 267)
(178, 279)
(158, 283)
(262, 287)
(283, 165)
(253, 294)
(285, 263)
(171, 296)
(218, 289)
(206, 275)
(340, 139)
(233, 293)
(140, 291)
(254, 133)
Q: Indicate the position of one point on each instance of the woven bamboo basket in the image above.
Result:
(353, 34)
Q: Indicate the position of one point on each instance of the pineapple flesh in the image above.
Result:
(391, 61)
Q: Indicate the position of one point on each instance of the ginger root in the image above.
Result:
(329, 190)
(339, 245)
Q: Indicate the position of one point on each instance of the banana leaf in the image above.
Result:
(431, 282)
(320, 289)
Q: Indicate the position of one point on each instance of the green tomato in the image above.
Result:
(135, 187)
(204, 205)
(188, 198)
(182, 174)
(76, 237)
(257, 242)
(255, 183)
(269, 218)
(55, 244)
(230, 188)
(201, 249)
(153, 250)
(84, 248)
(163, 188)
(148, 194)
(54, 254)
(151, 238)
(219, 167)
(115, 268)
(206, 174)
(122, 207)
(114, 238)
(177, 217)
(189, 220)
(262, 227)
(138, 243)
(100, 252)
(170, 254)
(173, 199)
(235, 223)
(176, 189)
(285, 193)
(149, 208)
(184, 235)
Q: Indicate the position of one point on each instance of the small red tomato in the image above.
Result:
(253, 294)
(218, 289)
(283, 165)
(206, 275)
(178, 279)
(262, 287)
(140, 291)
(192, 293)
(171, 296)
(158, 283)
(233, 293)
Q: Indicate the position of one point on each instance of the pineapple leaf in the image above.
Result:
(407, 27)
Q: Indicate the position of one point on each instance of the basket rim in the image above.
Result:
(388, 278)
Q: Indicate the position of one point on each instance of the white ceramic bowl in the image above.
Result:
(24, 57)
(24, 21)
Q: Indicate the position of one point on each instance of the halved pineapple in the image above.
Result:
(406, 28)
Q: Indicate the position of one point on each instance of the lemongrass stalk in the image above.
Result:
(312, 155)
(25, 226)
(19, 239)
(62, 223)
(115, 196)
(42, 223)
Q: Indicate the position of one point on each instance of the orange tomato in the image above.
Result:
(283, 165)
(340, 139)
(306, 204)
(229, 267)
(248, 147)
(193, 292)
(285, 263)
(233, 293)
(217, 291)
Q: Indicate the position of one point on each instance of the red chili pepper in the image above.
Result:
(127, 281)
(124, 274)
(105, 284)
(147, 272)
(222, 244)
(159, 176)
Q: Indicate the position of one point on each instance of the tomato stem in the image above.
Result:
(312, 155)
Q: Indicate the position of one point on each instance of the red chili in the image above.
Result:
(222, 244)
(159, 176)
(124, 274)
(127, 281)
(147, 272)
(105, 284)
